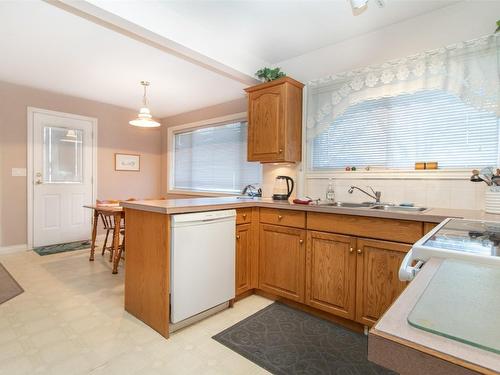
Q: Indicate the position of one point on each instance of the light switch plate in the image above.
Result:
(19, 172)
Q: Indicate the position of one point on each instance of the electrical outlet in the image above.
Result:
(19, 172)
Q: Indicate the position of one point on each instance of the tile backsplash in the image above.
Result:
(432, 193)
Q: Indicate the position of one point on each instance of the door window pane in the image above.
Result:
(62, 155)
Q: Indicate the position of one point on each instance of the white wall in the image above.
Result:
(458, 22)
(462, 21)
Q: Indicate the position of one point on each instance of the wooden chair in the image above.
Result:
(109, 226)
(107, 219)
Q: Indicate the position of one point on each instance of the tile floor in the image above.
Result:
(70, 320)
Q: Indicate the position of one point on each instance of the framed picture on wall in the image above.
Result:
(127, 162)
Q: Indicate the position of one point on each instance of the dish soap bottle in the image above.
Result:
(330, 192)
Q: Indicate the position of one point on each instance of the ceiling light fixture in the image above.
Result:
(359, 6)
(144, 118)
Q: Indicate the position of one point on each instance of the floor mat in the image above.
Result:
(286, 341)
(9, 288)
(61, 248)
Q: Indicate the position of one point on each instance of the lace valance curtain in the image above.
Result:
(469, 70)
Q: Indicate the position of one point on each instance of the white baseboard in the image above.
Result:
(13, 249)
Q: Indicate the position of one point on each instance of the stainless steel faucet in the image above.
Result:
(376, 194)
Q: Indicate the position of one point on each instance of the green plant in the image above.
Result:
(268, 74)
(498, 26)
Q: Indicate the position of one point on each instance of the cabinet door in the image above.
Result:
(266, 124)
(331, 273)
(243, 258)
(282, 261)
(377, 282)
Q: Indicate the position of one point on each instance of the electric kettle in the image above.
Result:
(283, 187)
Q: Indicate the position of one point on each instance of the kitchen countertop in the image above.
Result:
(177, 206)
(394, 326)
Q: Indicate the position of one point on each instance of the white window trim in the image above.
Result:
(392, 174)
(171, 131)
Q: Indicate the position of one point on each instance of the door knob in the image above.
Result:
(351, 250)
(359, 251)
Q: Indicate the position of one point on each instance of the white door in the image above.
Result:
(62, 177)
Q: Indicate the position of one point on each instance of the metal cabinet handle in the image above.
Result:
(280, 150)
(244, 216)
(351, 250)
(238, 237)
(359, 251)
(280, 217)
(301, 241)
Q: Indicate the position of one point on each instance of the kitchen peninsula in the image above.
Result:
(360, 238)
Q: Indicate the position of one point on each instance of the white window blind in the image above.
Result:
(395, 132)
(213, 159)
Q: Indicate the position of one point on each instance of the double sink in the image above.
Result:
(375, 206)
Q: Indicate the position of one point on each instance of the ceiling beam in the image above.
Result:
(120, 25)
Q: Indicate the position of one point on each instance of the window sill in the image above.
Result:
(429, 174)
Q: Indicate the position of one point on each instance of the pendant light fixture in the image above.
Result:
(144, 118)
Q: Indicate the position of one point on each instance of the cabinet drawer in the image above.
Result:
(405, 231)
(243, 215)
(287, 218)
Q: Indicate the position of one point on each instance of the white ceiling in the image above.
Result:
(277, 30)
(46, 47)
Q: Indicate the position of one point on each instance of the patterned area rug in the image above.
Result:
(286, 341)
(61, 248)
(9, 288)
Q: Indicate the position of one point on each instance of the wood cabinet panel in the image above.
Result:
(266, 116)
(147, 265)
(243, 258)
(275, 121)
(243, 215)
(429, 226)
(377, 282)
(288, 218)
(282, 261)
(385, 229)
(331, 273)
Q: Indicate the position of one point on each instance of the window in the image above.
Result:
(395, 132)
(213, 159)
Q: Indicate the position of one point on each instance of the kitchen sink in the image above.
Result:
(348, 204)
(399, 208)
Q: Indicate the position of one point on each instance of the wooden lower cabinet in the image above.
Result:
(331, 273)
(282, 261)
(243, 258)
(377, 281)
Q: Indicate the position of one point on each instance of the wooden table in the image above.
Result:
(118, 214)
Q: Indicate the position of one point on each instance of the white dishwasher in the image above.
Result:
(202, 264)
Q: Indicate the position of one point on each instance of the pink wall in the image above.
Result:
(114, 135)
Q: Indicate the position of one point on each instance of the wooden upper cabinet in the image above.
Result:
(282, 261)
(331, 273)
(243, 258)
(377, 284)
(275, 121)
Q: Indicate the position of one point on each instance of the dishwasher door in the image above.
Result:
(202, 264)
